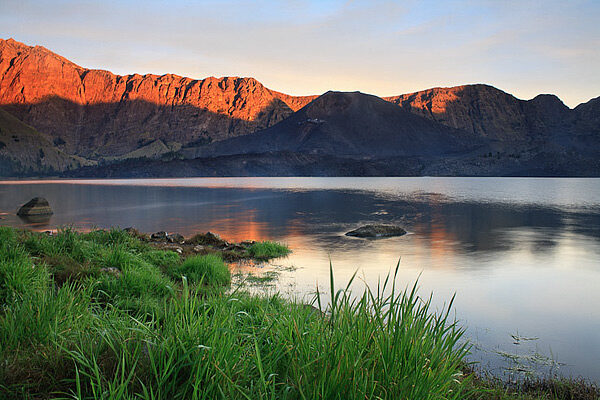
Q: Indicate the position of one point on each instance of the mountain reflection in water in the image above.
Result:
(522, 255)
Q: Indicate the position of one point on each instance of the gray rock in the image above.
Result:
(209, 239)
(377, 231)
(159, 235)
(174, 248)
(35, 206)
(234, 247)
(175, 238)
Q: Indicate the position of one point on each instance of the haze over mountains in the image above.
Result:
(57, 118)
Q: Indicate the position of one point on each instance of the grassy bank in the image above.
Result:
(107, 315)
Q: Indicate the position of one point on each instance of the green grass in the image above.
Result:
(267, 249)
(266, 278)
(103, 316)
(208, 269)
(162, 258)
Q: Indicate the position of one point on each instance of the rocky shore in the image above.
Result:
(208, 243)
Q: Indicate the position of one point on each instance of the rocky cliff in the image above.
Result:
(488, 112)
(56, 116)
(95, 113)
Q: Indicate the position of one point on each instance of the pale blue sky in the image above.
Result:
(307, 47)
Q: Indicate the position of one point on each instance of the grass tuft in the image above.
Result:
(208, 269)
(268, 249)
(164, 259)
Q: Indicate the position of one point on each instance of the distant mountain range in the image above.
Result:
(59, 119)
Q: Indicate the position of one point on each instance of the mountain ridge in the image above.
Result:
(95, 116)
(341, 123)
(51, 93)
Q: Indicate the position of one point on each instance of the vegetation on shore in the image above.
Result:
(268, 249)
(209, 243)
(107, 315)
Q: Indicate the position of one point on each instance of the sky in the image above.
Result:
(385, 48)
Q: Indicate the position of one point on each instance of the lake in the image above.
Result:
(522, 255)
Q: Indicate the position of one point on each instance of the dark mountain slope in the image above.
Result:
(588, 117)
(24, 150)
(352, 125)
(489, 112)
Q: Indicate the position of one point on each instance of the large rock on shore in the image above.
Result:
(377, 231)
(35, 206)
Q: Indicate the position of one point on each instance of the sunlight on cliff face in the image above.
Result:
(434, 101)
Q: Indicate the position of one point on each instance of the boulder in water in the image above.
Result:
(34, 207)
(377, 231)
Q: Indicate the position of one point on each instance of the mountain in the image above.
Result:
(350, 134)
(543, 124)
(350, 125)
(488, 112)
(25, 151)
(588, 117)
(94, 113)
(57, 118)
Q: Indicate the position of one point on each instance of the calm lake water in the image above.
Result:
(521, 254)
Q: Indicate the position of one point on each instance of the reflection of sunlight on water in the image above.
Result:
(529, 263)
(546, 294)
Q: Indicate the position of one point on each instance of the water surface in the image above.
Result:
(521, 254)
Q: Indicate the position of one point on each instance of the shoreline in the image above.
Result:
(135, 270)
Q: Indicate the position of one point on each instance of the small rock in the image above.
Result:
(377, 231)
(175, 238)
(35, 206)
(159, 236)
(199, 248)
(174, 248)
(135, 233)
(209, 239)
(234, 247)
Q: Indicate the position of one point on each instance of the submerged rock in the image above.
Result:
(377, 231)
(34, 207)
